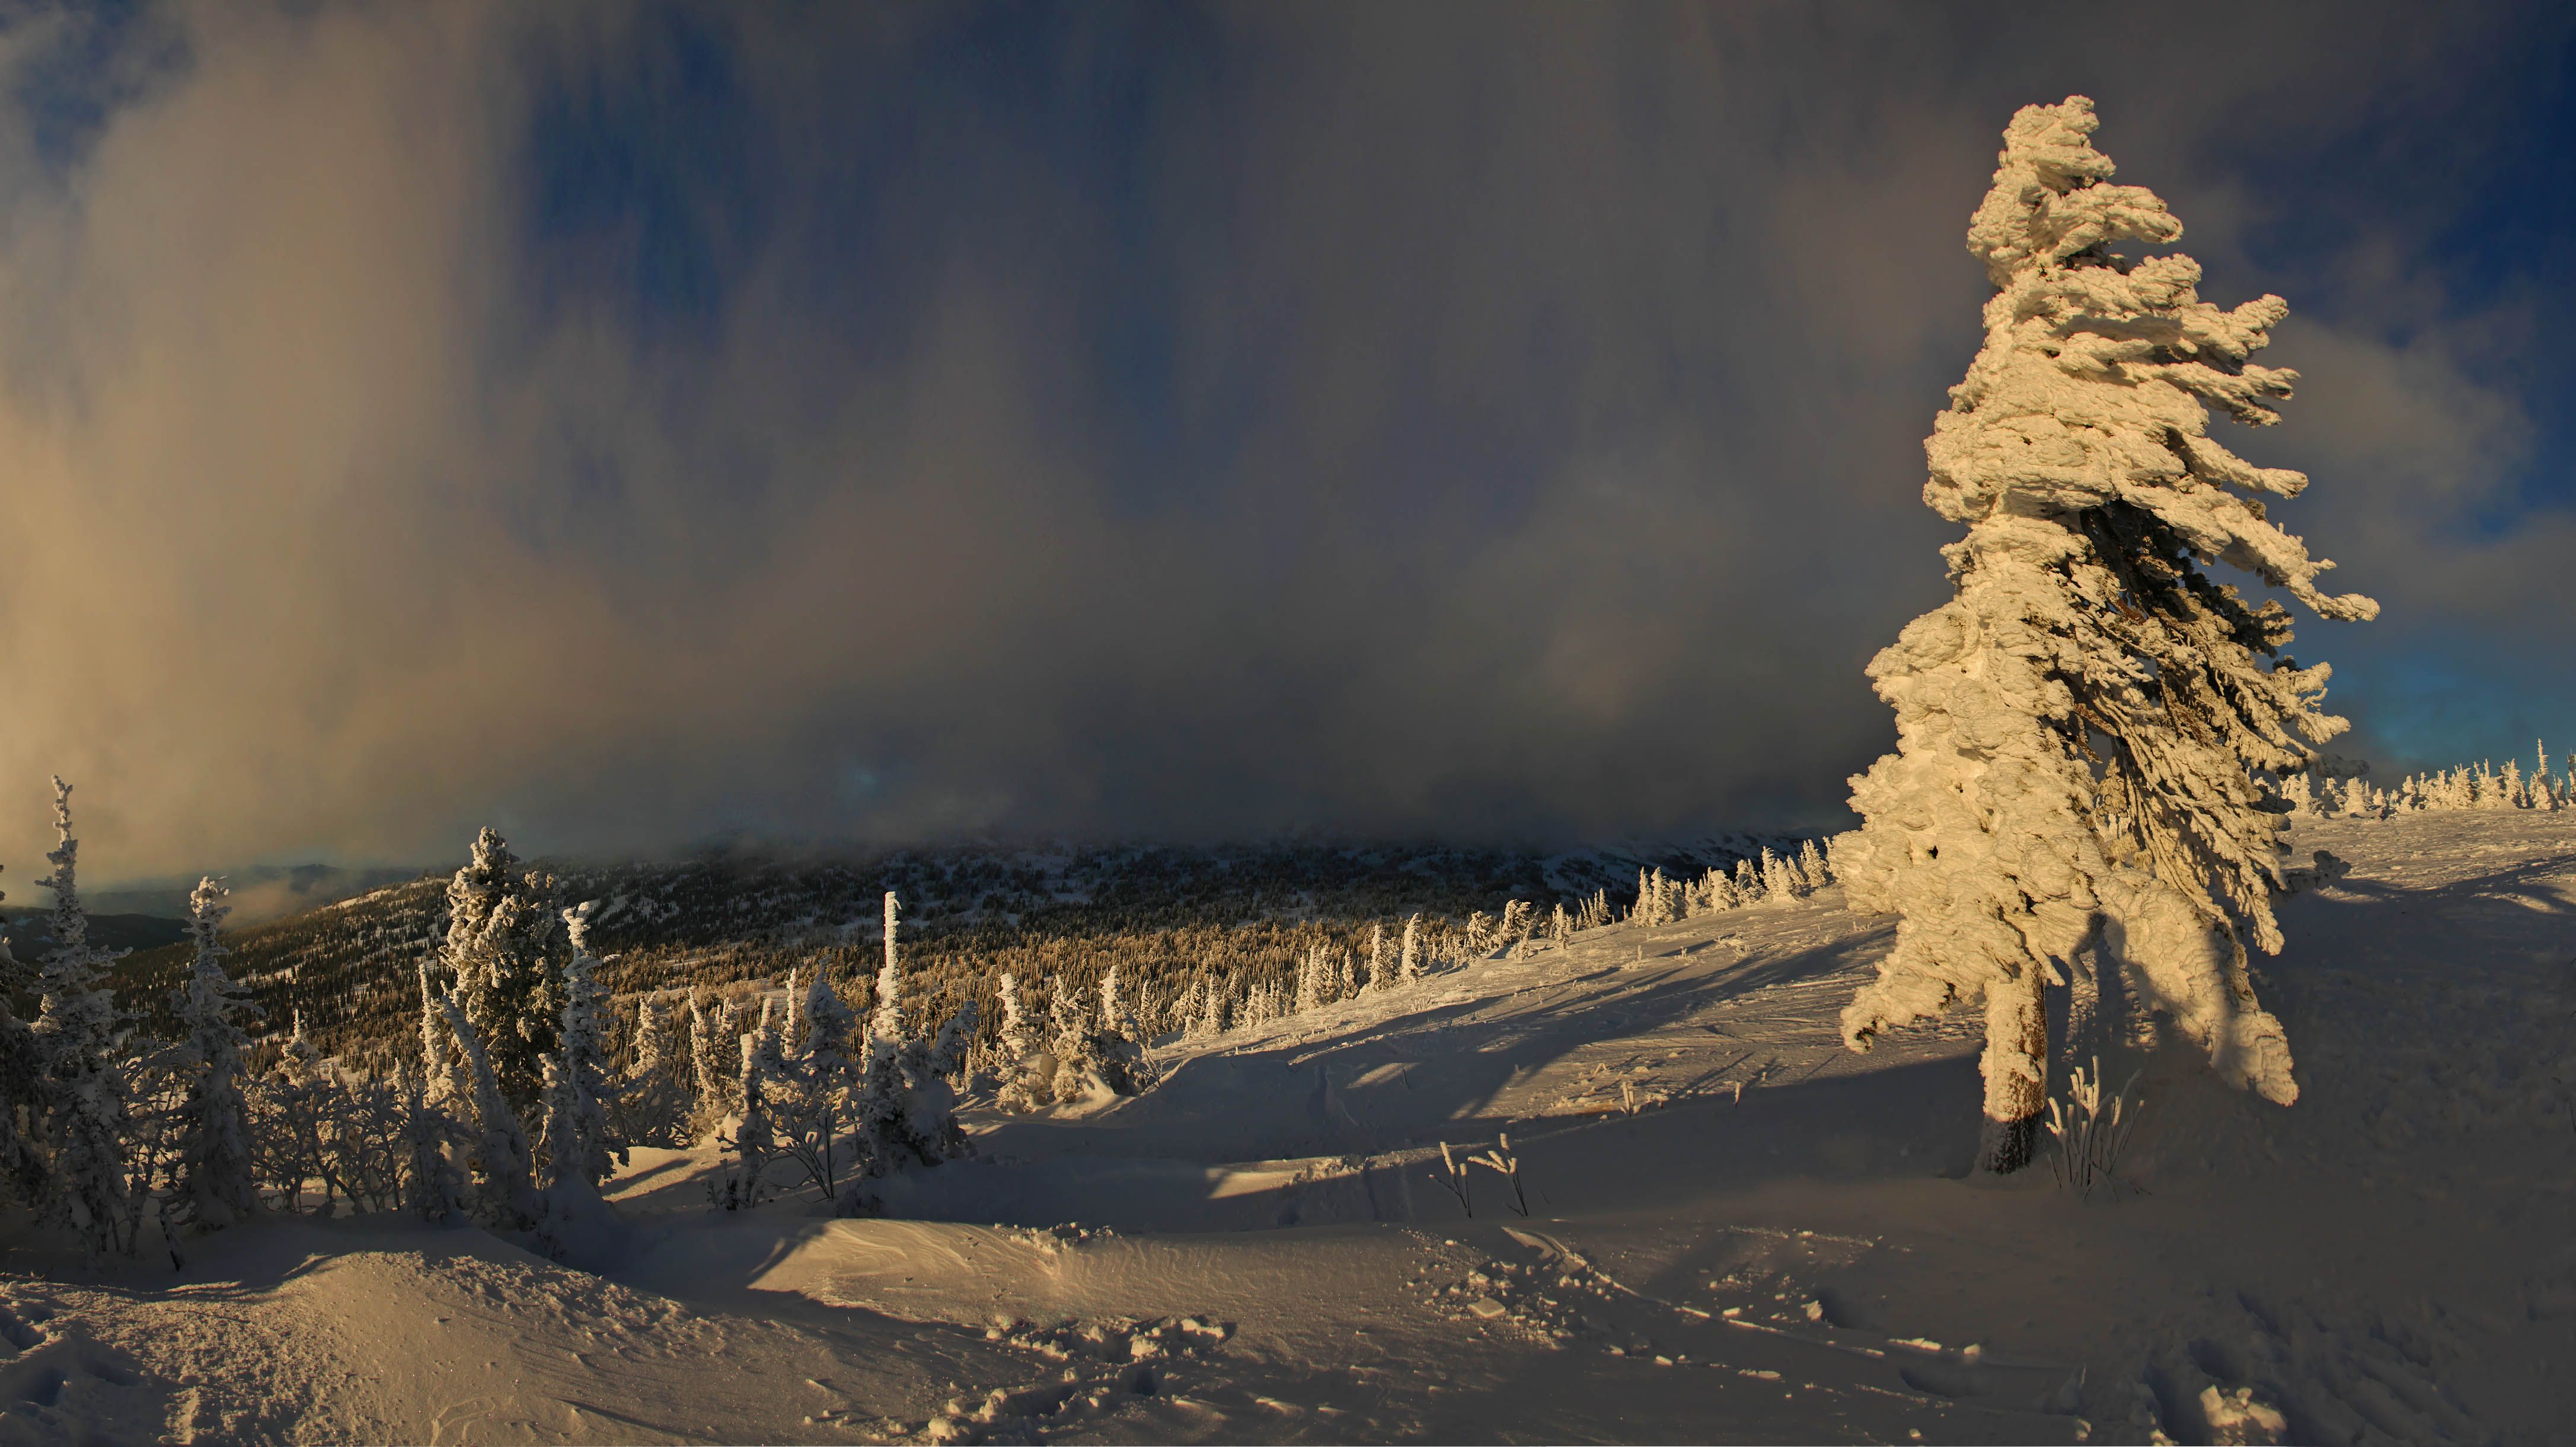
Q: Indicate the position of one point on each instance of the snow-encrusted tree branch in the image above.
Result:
(2083, 729)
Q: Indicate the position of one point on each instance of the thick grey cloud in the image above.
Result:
(622, 425)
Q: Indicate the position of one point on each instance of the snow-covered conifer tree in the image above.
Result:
(1811, 866)
(1069, 1046)
(1014, 1020)
(292, 1112)
(442, 1064)
(505, 1181)
(754, 1139)
(717, 1077)
(216, 1184)
(812, 1108)
(651, 1103)
(577, 1140)
(2080, 728)
(791, 1034)
(1027, 1071)
(432, 1185)
(831, 1031)
(1120, 1046)
(1409, 959)
(505, 956)
(80, 1038)
(1779, 881)
(1381, 967)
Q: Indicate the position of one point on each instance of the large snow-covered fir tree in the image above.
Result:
(2086, 728)
(216, 1184)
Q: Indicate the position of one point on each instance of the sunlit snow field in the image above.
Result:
(1762, 1237)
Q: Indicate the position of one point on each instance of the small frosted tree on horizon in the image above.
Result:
(2083, 729)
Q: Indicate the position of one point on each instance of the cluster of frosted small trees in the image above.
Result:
(510, 1116)
(1218, 1002)
(1080, 1052)
(838, 1104)
(1773, 877)
(2482, 787)
(1222, 1002)
(1083, 1050)
(1328, 975)
(103, 1131)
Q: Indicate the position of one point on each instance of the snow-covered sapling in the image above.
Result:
(2085, 728)
(216, 1185)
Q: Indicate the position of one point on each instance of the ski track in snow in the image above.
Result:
(1779, 1243)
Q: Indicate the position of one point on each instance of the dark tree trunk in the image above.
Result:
(2005, 1146)
(2016, 1071)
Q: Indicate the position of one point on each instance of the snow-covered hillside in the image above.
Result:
(1736, 1230)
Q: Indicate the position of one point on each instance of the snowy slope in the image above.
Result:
(1779, 1244)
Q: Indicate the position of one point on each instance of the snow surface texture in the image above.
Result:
(1779, 1243)
(2080, 726)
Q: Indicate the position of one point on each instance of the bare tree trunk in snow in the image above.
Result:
(2016, 1071)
